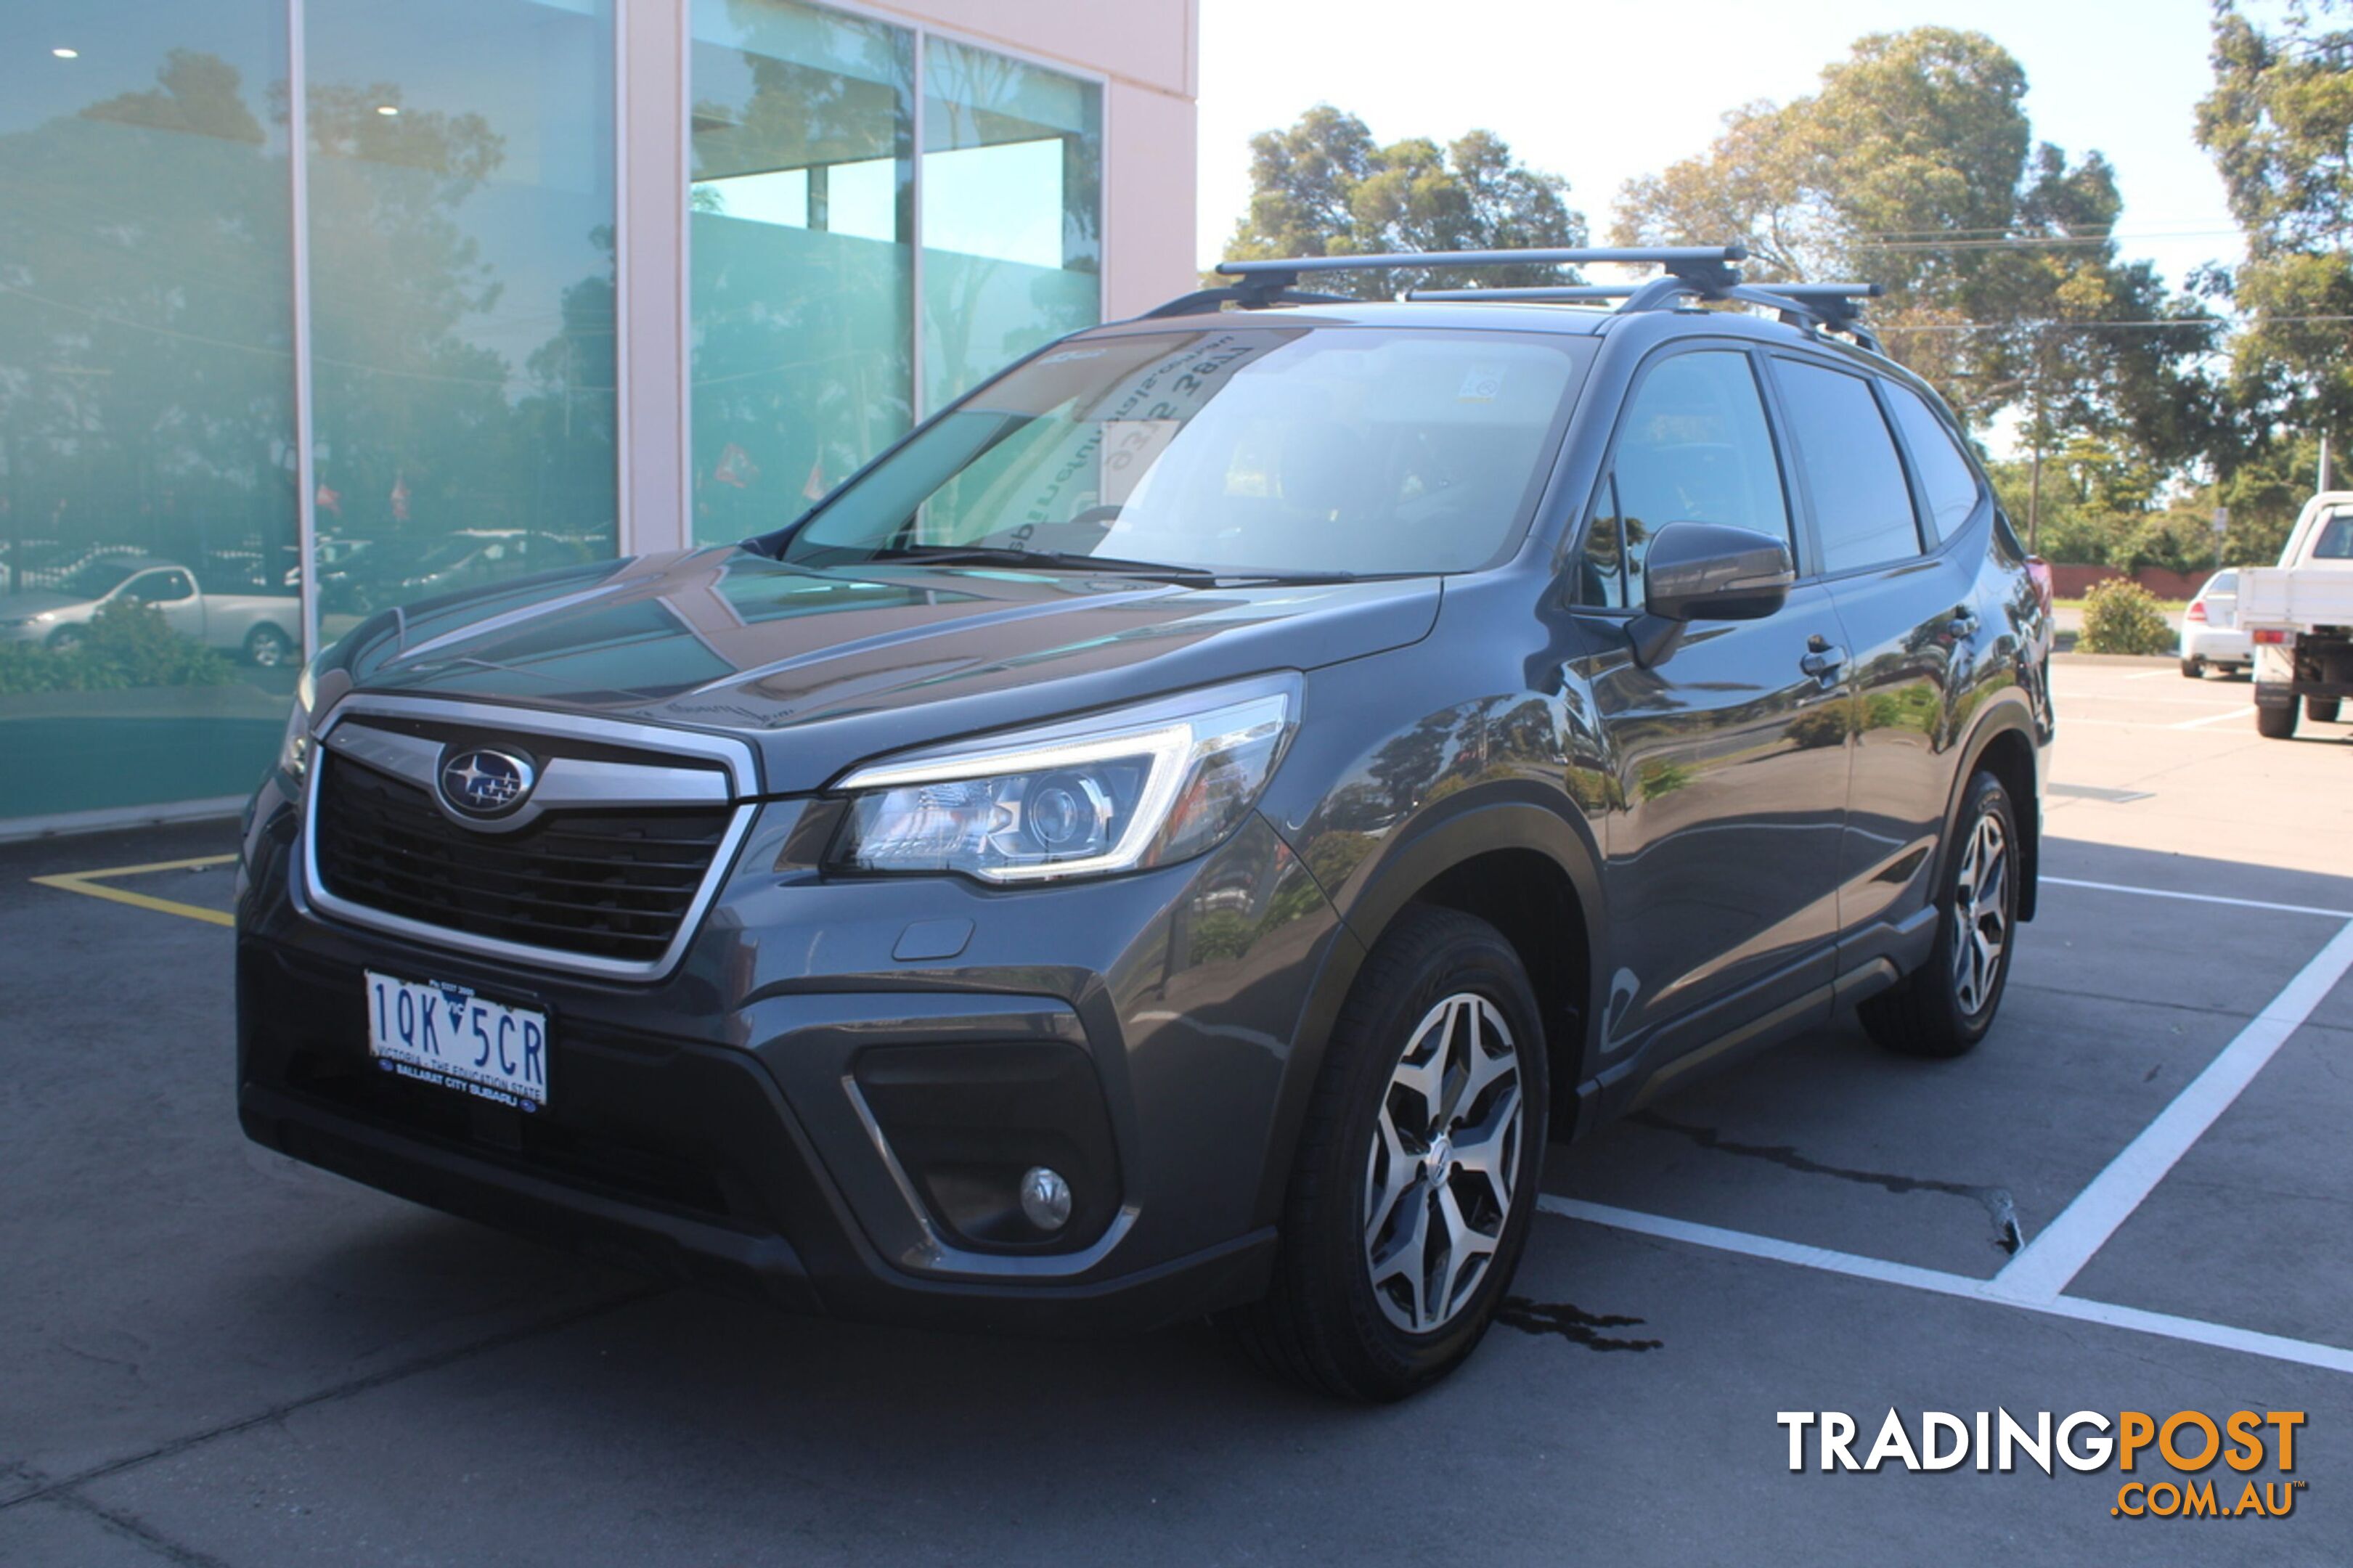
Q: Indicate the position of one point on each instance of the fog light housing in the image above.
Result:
(1045, 1198)
(1008, 1143)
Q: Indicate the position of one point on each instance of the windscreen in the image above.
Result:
(1281, 450)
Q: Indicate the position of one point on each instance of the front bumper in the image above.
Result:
(795, 1113)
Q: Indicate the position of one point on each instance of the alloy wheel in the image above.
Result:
(1439, 1177)
(1980, 915)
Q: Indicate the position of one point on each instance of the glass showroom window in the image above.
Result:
(799, 227)
(1012, 201)
(802, 224)
(460, 187)
(148, 615)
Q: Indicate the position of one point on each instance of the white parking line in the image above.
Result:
(2054, 1257)
(2304, 1353)
(2033, 1279)
(2066, 696)
(2198, 898)
(2245, 712)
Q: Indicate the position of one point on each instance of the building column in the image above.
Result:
(652, 358)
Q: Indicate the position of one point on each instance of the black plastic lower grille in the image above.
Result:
(601, 884)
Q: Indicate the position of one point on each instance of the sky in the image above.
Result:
(1604, 90)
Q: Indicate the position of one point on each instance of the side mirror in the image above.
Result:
(1706, 571)
(1712, 571)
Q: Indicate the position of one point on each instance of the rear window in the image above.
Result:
(2335, 541)
(1945, 475)
(1862, 507)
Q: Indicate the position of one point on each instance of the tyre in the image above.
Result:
(267, 647)
(2321, 709)
(2194, 669)
(2275, 724)
(1945, 1006)
(65, 639)
(1415, 1176)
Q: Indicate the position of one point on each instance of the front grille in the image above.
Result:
(600, 884)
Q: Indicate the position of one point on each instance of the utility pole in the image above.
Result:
(2034, 489)
(2324, 475)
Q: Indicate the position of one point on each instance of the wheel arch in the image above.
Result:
(1519, 863)
(2003, 743)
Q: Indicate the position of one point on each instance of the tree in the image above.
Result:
(145, 395)
(1914, 167)
(1323, 187)
(2279, 126)
(1916, 137)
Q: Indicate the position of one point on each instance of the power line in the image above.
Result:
(2210, 322)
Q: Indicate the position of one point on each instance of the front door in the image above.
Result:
(173, 593)
(1730, 752)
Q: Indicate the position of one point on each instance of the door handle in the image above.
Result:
(1822, 660)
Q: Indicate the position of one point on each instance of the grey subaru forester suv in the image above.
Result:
(1182, 830)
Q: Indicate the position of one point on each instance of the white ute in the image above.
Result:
(2299, 616)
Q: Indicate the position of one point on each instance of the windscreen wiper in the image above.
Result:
(1075, 560)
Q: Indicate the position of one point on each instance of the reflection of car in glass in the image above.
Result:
(1182, 830)
(262, 627)
(2211, 637)
(49, 564)
(394, 571)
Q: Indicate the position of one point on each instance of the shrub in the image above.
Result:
(125, 646)
(1825, 726)
(1664, 779)
(2121, 616)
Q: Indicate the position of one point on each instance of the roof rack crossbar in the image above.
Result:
(1697, 259)
(1687, 271)
(1542, 293)
(1831, 307)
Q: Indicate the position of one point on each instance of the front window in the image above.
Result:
(1276, 450)
(98, 579)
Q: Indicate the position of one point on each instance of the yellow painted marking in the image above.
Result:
(91, 883)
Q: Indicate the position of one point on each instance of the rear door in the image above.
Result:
(1730, 753)
(1910, 613)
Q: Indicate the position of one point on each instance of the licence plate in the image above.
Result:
(446, 1035)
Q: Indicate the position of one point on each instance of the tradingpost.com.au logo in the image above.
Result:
(2187, 1442)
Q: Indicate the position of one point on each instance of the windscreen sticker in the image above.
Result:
(1482, 383)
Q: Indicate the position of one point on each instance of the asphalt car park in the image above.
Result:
(2133, 1196)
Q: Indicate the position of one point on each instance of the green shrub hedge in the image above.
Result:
(124, 647)
(2122, 617)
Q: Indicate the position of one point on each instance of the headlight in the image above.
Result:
(294, 750)
(1144, 787)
